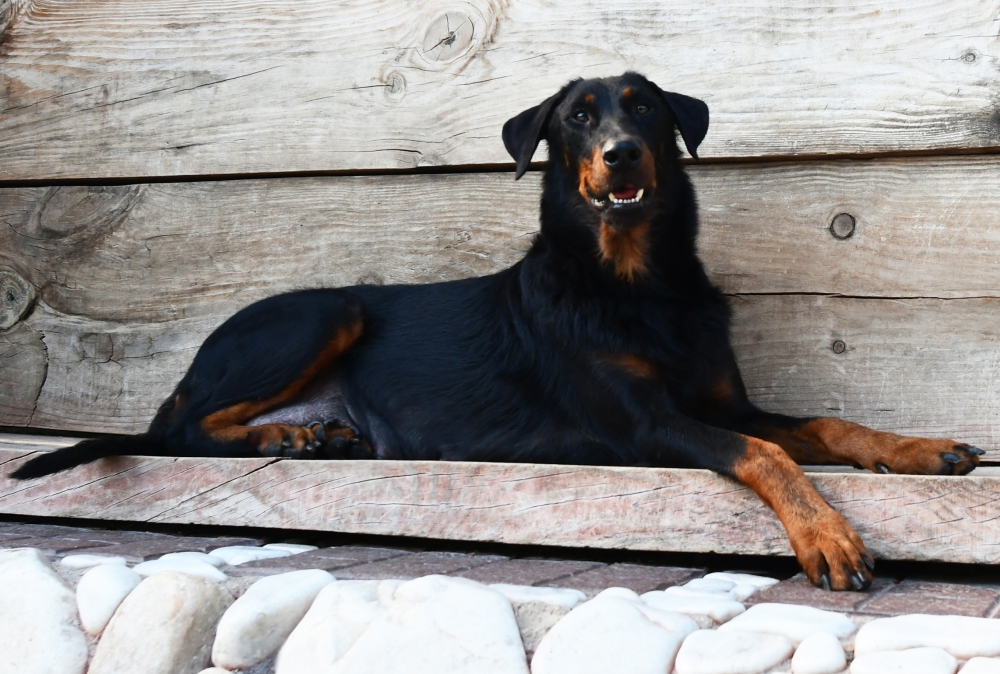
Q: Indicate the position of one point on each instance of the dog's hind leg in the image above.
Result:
(262, 360)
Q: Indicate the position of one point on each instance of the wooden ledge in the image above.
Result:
(951, 519)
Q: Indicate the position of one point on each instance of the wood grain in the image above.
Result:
(156, 252)
(160, 88)
(900, 517)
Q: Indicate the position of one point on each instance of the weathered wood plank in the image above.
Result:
(900, 517)
(155, 252)
(919, 366)
(127, 88)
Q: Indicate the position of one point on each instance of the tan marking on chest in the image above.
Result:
(626, 251)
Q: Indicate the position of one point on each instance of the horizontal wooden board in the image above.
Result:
(900, 517)
(921, 366)
(127, 88)
(156, 252)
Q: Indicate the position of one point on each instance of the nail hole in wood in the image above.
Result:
(839, 346)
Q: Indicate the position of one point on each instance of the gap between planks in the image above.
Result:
(919, 518)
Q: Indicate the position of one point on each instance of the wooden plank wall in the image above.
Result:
(158, 161)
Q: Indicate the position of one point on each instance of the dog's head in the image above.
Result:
(611, 137)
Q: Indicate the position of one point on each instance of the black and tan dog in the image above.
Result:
(606, 344)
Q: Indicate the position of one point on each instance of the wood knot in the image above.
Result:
(17, 296)
(395, 85)
(842, 226)
(449, 37)
(85, 211)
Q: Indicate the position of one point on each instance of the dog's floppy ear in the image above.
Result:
(521, 134)
(692, 119)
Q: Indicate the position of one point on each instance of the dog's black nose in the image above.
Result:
(622, 154)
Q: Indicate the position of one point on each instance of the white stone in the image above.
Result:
(742, 592)
(791, 621)
(759, 582)
(257, 623)
(429, 625)
(196, 556)
(99, 593)
(38, 629)
(819, 653)
(612, 633)
(961, 636)
(731, 652)
(911, 661)
(622, 592)
(164, 626)
(180, 565)
(90, 561)
(981, 666)
(294, 548)
(717, 585)
(341, 612)
(714, 608)
(537, 609)
(241, 554)
(215, 670)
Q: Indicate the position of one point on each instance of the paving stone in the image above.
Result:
(612, 633)
(53, 546)
(416, 565)
(140, 551)
(982, 666)
(90, 561)
(38, 628)
(819, 653)
(538, 609)
(714, 652)
(432, 625)
(912, 661)
(798, 590)
(705, 609)
(527, 571)
(165, 626)
(790, 621)
(917, 596)
(99, 593)
(637, 577)
(257, 623)
(186, 565)
(328, 559)
(962, 636)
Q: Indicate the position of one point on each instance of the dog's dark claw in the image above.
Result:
(975, 451)
(286, 443)
(825, 579)
(858, 581)
(882, 468)
(354, 440)
(951, 458)
(869, 562)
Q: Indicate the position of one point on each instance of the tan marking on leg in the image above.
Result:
(843, 442)
(823, 541)
(637, 366)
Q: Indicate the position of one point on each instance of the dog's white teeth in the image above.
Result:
(638, 195)
(596, 202)
(616, 199)
(633, 200)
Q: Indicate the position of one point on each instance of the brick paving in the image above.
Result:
(886, 597)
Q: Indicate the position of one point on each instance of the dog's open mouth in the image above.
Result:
(619, 197)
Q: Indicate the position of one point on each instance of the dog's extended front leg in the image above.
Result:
(829, 550)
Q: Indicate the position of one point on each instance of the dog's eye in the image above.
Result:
(581, 116)
(641, 109)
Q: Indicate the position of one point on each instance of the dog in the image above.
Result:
(607, 344)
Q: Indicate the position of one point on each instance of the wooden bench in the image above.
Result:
(163, 165)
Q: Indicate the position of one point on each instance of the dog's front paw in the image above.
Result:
(832, 554)
(922, 456)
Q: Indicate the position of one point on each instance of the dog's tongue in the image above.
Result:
(628, 192)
